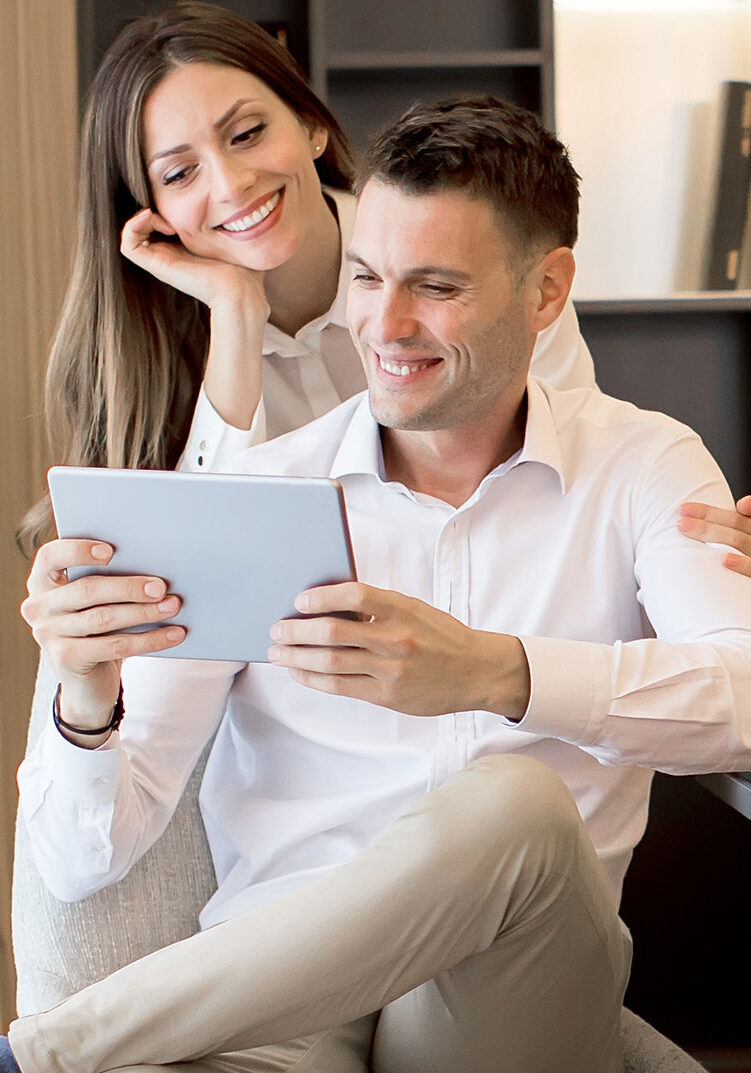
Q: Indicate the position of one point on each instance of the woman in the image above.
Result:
(202, 290)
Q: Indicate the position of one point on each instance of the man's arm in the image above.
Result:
(679, 702)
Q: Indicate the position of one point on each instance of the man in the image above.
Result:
(518, 554)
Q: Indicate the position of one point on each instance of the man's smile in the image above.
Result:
(399, 367)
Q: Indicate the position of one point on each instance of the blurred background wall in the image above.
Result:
(38, 121)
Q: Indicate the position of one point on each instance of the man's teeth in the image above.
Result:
(254, 218)
(399, 370)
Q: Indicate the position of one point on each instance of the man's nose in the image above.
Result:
(396, 319)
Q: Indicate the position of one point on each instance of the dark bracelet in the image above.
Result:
(115, 719)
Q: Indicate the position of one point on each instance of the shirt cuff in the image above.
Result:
(89, 776)
(570, 689)
(212, 442)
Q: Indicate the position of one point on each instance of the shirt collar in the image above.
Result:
(278, 342)
(360, 447)
(346, 205)
(541, 443)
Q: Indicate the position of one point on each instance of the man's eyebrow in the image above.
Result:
(354, 257)
(443, 271)
(221, 122)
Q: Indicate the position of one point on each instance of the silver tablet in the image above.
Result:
(236, 549)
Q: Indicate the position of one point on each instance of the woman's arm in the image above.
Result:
(239, 311)
(95, 803)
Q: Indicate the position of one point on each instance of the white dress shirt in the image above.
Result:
(571, 545)
(306, 376)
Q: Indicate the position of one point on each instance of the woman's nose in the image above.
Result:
(231, 179)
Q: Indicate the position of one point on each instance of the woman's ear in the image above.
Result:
(553, 277)
(319, 139)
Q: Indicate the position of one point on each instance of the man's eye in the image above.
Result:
(364, 277)
(438, 290)
(248, 134)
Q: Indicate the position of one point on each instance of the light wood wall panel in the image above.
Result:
(38, 120)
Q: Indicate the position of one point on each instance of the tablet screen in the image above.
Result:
(236, 549)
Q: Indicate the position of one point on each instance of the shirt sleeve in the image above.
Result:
(212, 442)
(91, 813)
(561, 357)
(680, 701)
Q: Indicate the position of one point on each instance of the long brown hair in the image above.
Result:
(127, 360)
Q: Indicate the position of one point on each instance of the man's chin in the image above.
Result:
(425, 419)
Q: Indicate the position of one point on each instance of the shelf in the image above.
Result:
(367, 61)
(733, 789)
(697, 302)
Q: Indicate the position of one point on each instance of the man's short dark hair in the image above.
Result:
(486, 148)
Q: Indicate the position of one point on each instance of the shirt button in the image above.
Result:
(100, 847)
(101, 780)
(204, 445)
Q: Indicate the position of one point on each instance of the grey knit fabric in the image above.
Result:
(60, 948)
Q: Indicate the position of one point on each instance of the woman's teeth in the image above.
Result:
(254, 218)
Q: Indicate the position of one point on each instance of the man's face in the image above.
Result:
(441, 325)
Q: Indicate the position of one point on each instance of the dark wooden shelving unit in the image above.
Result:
(370, 63)
(687, 355)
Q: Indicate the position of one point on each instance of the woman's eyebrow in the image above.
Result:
(221, 122)
(234, 108)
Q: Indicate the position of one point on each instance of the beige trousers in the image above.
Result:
(475, 934)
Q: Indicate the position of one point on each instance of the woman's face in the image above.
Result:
(231, 166)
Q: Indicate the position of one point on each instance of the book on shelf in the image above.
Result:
(732, 188)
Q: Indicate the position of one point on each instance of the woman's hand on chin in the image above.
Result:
(212, 282)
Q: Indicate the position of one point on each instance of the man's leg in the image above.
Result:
(462, 864)
(345, 1049)
(545, 995)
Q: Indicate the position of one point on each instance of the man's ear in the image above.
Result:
(551, 280)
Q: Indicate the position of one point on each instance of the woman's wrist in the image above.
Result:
(232, 379)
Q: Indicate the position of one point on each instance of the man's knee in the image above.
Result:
(497, 803)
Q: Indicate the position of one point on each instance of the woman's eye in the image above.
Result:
(248, 134)
(177, 175)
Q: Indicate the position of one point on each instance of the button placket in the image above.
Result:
(443, 598)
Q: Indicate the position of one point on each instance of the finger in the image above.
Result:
(88, 592)
(139, 229)
(358, 687)
(739, 564)
(79, 655)
(743, 506)
(715, 516)
(346, 596)
(112, 618)
(322, 631)
(321, 660)
(99, 589)
(709, 533)
(54, 558)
